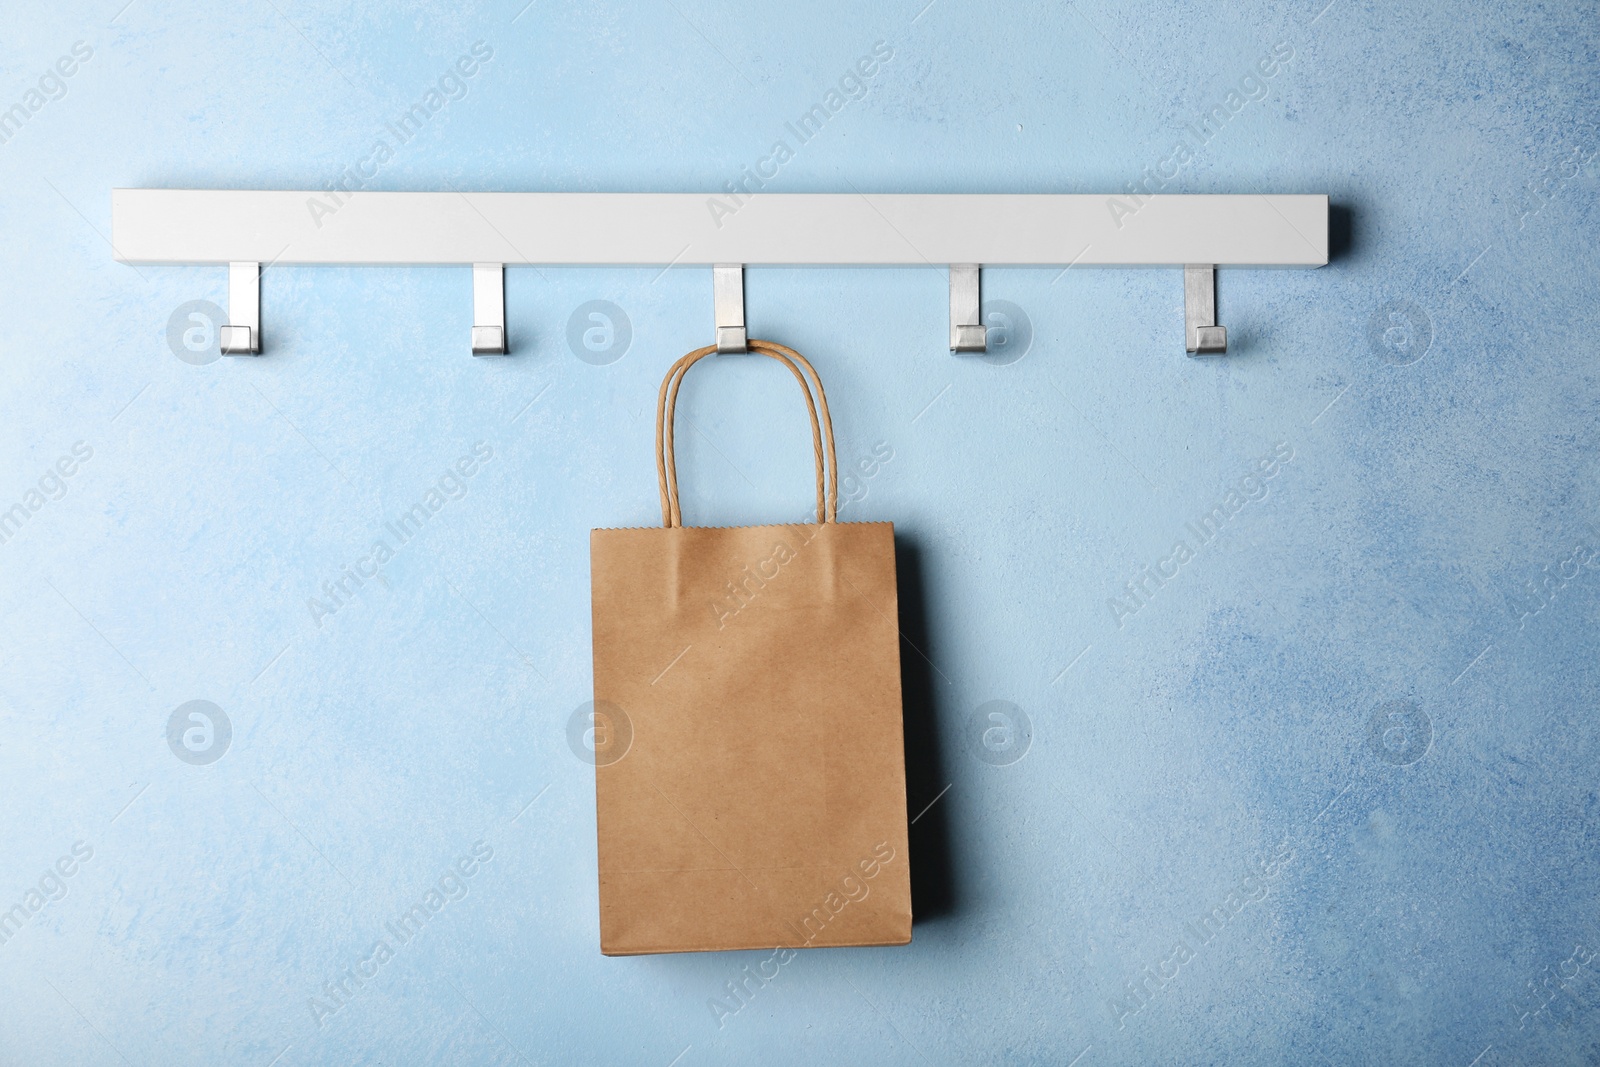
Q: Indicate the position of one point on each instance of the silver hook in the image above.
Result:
(242, 335)
(967, 333)
(1201, 334)
(488, 309)
(727, 293)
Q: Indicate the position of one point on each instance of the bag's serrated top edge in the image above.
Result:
(762, 526)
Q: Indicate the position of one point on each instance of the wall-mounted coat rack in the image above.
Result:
(488, 231)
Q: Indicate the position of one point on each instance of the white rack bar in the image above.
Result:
(962, 231)
(697, 229)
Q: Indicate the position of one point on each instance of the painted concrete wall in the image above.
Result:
(1319, 788)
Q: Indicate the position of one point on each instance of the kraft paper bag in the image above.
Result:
(750, 762)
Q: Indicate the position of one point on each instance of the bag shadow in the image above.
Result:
(932, 876)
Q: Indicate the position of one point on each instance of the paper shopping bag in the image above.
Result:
(750, 773)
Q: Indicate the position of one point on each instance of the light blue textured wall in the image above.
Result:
(1338, 688)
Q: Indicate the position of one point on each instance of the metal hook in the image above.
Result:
(488, 309)
(967, 333)
(727, 292)
(242, 335)
(1201, 334)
